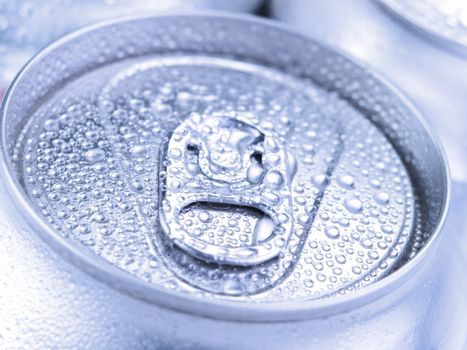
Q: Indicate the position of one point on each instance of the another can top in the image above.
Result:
(445, 20)
(223, 158)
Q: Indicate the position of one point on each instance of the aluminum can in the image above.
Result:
(218, 181)
(419, 45)
(28, 26)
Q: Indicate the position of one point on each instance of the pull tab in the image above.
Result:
(226, 162)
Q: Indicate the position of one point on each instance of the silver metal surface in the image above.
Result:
(409, 308)
(428, 72)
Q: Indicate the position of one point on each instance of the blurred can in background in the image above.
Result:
(420, 45)
(27, 26)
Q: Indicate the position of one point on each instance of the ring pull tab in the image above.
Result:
(227, 163)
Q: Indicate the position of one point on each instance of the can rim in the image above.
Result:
(122, 281)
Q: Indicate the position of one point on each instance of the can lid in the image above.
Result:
(202, 167)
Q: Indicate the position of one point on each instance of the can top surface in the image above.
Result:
(231, 161)
(444, 20)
